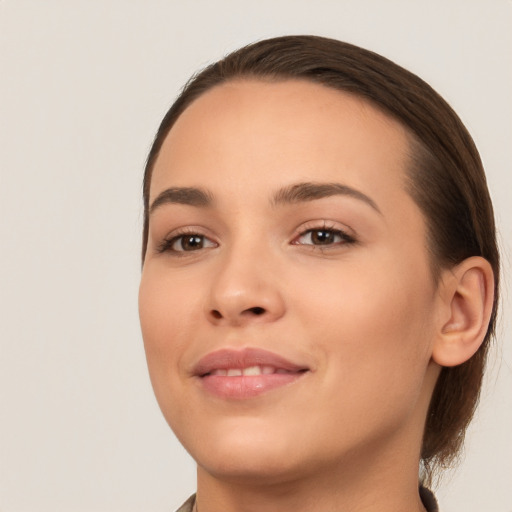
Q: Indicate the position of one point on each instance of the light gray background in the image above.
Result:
(83, 85)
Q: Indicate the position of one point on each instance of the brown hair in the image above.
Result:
(446, 179)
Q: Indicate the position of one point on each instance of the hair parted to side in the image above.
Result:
(446, 180)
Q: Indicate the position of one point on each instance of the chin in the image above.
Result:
(239, 467)
(251, 454)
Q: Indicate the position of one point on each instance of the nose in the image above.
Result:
(245, 290)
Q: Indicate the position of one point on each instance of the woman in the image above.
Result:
(320, 278)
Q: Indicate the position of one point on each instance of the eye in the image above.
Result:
(323, 237)
(187, 242)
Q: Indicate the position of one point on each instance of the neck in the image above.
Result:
(382, 476)
(386, 484)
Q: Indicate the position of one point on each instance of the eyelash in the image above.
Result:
(345, 239)
(167, 244)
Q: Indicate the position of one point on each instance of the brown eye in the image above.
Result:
(323, 237)
(192, 242)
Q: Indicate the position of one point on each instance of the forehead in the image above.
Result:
(273, 131)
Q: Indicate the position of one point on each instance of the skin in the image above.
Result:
(364, 316)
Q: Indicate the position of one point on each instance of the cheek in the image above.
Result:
(167, 312)
(371, 325)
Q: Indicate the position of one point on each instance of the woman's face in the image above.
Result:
(286, 302)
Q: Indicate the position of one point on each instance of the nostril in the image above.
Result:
(255, 311)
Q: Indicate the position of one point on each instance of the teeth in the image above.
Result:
(250, 370)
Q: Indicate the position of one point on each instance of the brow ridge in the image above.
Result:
(296, 193)
(191, 196)
(311, 191)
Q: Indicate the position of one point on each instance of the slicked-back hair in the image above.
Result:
(445, 178)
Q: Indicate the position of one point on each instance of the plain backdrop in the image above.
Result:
(83, 86)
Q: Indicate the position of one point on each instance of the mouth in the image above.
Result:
(242, 374)
(250, 370)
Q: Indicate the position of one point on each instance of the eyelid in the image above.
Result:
(165, 246)
(206, 242)
(345, 232)
(347, 235)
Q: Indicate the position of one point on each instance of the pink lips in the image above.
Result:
(240, 374)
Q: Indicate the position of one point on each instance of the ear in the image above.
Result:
(468, 294)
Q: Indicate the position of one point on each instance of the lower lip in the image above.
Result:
(247, 386)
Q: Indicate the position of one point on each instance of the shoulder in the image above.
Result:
(427, 497)
(188, 506)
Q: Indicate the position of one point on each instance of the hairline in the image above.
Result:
(412, 161)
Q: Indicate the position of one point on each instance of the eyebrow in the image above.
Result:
(191, 196)
(308, 191)
(297, 193)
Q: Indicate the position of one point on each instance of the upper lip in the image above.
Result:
(245, 358)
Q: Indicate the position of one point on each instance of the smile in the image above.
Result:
(251, 370)
(235, 374)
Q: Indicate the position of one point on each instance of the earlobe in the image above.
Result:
(468, 299)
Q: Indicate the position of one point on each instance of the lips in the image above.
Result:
(241, 374)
